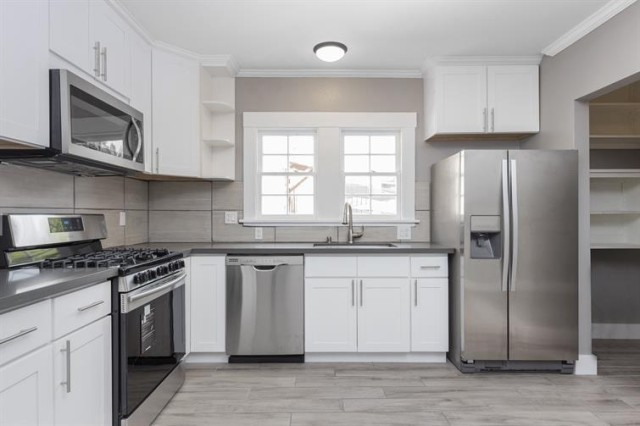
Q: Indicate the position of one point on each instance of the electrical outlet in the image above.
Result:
(404, 232)
(257, 233)
(123, 218)
(230, 217)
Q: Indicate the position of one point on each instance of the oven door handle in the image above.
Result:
(137, 299)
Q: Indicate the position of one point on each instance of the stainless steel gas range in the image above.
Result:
(148, 308)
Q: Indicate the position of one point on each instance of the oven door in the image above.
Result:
(89, 123)
(152, 338)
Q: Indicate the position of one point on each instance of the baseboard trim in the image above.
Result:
(206, 358)
(426, 357)
(615, 331)
(586, 365)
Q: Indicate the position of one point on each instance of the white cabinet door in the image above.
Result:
(461, 102)
(141, 90)
(24, 71)
(330, 315)
(384, 323)
(26, 390)
(176, 142)
(69, 32)
(429, 315)
(513, 98)
(208, 304)
(108, 29)
(82, 376)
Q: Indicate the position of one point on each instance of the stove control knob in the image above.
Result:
(152, 274)
(181, 263)
(159, 271)
(136, 279)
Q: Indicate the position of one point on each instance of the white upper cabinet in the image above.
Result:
(481, 102)
(462, 99)
(24, 76)
(92, 37)
(69, 31)
(109, 43)
(513, 100)
(176, 139)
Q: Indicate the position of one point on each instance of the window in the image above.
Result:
(301, 167)
(371, 173)
(287, 174)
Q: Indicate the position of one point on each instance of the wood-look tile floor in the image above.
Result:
(407, 394)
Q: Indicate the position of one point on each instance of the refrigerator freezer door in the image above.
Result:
(543, 287)
(484, 302)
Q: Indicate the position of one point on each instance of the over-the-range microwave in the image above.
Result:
(91, 132)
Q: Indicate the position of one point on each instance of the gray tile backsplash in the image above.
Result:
(179, 225)
(228, 196)
(236, 232)
(304, 234)
(180, 196)
(29, 190)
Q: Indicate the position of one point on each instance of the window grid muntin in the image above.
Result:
(371, 195)
(288, 175)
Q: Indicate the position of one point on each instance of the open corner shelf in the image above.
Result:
(614, 173)
(218, 107)
(217, 143)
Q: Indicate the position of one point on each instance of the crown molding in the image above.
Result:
(602, 15)
(220, 65)
(330, 73)
(131, 20)
(481, 60)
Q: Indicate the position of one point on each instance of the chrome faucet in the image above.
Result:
(347, 219)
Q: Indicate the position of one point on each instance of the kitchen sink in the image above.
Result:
(354, 245)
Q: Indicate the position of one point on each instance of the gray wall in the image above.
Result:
(603, 60)
(201, 205)
(27, 190)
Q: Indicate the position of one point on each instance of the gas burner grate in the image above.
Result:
(121, 257)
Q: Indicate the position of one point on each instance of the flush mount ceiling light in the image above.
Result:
(330, 51)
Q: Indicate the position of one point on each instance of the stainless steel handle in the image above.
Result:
(139, 147)
(157, 160)
(91, 305)
(430, 267)
(415, 285)
(96, 59)
(18, 334)
(506, 220)
(361, 296)
(514, 213)
(493, 121)
(353, 292)
(104, 64)
(67, 349)
(157, 289)
(484, 120)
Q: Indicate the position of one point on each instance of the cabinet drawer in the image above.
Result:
(383, 266)
(24, 329)
(330, 266)
(79, 308)
(430, 266)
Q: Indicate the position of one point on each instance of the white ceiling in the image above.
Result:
(380, 34)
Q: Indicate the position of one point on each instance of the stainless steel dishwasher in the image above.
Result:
(265, 308)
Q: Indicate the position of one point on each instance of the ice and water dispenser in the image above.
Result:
(486, 237)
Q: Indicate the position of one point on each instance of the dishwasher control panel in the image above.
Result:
(264, 260)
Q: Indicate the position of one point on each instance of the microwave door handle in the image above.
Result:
(139, 147)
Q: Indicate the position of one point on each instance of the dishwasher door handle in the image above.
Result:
(264, 267)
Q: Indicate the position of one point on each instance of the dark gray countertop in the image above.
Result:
(295, 248)
(25, 286)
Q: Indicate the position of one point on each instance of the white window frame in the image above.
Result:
(329, 158)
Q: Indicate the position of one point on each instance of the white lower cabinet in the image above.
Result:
(82, 376)
(384, 323)
(373, 304)
(430, 306)
(26, 390)
(208, 303)
(337, 332)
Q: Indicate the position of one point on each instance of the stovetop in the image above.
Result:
(127, 259)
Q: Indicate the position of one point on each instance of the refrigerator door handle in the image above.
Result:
(514, 209)
(506, 220)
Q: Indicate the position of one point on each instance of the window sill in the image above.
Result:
(262, 222)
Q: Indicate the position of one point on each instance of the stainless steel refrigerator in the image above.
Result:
(513, 218)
